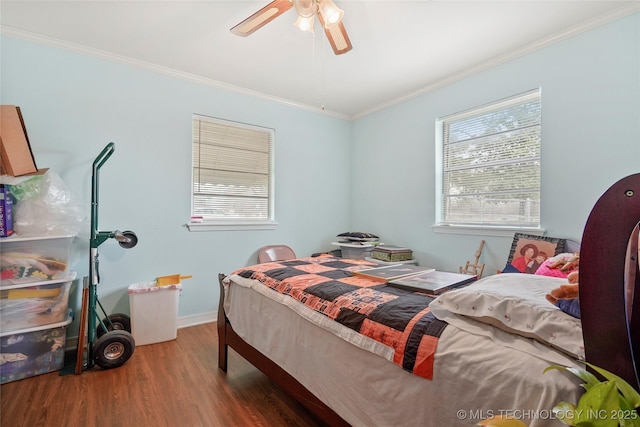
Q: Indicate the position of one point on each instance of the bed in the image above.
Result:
(366, 354)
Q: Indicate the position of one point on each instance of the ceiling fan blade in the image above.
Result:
(337, 36)
(262, 17)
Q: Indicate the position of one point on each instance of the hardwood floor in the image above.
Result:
(175, 383)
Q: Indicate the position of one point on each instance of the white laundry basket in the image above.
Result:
(154, 312)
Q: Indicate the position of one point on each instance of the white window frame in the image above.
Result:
(225, 158)
(483, 223)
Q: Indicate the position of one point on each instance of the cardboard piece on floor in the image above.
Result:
(16, 155)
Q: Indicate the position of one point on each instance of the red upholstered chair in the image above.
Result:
(275, 253)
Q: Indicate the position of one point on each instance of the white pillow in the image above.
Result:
(516, 303)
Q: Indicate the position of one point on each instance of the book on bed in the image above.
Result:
(432, 282)
(392, 272)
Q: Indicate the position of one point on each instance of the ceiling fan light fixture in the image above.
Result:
(306, 8)
(331, 14)
(305, 23)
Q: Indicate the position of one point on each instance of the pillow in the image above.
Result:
(570, 306)
(544, 269)
(516, 303)
(571, 246)
(529, 251)
(510, 269)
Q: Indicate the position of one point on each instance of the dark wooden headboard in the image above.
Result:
(610, 281)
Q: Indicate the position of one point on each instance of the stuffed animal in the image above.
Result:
(568, 291)
(566, 297)
(567, 265)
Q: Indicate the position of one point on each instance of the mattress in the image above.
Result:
(479, 370)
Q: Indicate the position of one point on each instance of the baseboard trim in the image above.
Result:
(183, 322)
(197, 319)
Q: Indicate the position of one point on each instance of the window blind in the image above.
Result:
(491, 164)
(232, 170)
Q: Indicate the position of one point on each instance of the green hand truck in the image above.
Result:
(109, 339)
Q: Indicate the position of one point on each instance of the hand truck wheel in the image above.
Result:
(113, 349)
(114, 322)
(127, 239)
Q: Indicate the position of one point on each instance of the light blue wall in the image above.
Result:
(375, 174)
(590, 139)
(74, 105)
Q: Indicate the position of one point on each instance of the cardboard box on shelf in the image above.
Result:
(16, 155)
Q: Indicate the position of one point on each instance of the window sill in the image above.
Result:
(486, 230)
(231, 225)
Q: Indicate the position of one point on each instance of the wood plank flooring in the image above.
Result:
(175, 384)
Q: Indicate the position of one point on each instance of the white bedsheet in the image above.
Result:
(474, 377)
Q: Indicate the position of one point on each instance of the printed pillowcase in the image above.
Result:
(529, 252)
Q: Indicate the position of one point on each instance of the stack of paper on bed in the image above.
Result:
(432, 282)
(392, 272)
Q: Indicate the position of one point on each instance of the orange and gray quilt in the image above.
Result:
(397, 318)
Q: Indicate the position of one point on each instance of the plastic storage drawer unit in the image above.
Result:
(33, 259)
(34, 304)
(29, 352)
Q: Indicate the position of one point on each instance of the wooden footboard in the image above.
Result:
(610, 281)
(227, 337)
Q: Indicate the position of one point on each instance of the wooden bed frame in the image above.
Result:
(227, 337)
(610, 282)
(609, 299)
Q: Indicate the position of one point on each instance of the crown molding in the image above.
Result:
(125, 60)
(599, 21)
(615, 14)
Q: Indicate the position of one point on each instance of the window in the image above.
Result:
(490, 165)
(232, 173)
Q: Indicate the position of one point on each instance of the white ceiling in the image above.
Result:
(400, 48)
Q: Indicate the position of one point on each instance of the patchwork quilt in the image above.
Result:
(397, 318)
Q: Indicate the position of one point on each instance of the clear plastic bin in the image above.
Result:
(29, 352)
(33, 259)
(34, 304)
(354, 251)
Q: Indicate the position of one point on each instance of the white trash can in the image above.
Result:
(154, 312)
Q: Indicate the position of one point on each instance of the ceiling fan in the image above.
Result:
(329, 15)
